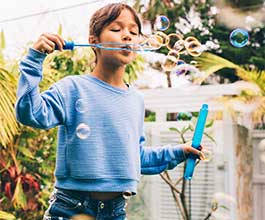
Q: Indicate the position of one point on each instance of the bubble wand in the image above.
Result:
(196, 141)
(70, 45)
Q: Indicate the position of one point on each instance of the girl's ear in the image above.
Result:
(93, 39)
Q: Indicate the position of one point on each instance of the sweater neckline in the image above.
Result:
(107, 85)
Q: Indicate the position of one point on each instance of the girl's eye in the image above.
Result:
(115, 30)
(134, 33)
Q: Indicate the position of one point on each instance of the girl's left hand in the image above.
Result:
(191, 150)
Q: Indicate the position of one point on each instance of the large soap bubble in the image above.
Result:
(239, 37)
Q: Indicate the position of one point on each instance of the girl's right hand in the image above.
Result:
(46, 43)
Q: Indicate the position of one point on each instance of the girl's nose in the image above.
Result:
(126, 38)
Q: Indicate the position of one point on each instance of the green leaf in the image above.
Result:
(209, 123)
(26, 152)
(224, 207)
(175, 129)
(19, 197)
(185, 129)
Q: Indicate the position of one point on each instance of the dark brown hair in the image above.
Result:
(107, 14)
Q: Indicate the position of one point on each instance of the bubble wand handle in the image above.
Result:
(70, 45)
(196, 141)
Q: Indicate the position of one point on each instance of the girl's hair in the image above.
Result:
(107, 14)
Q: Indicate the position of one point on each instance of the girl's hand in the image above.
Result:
(191, 150)
(46, 43)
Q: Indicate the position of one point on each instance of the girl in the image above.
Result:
(97, 170)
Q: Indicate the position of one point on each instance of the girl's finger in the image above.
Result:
(201, 155)
(47, 46)
(56, 39)
(60, 38)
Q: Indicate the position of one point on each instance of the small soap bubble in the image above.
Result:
(193, 46)
(193, 62)
(180, 46)
(83, 131)
(239, 37)
(164, 37)
(81, 106)
(152, 42)
(175, 42)
(162, 23)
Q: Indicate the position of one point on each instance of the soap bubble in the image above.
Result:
(176, 42)
(162, 23)
(193, 46)
(152, 41)
(239, 37)
(81, 106)
(193, 62)
(83, 131)
(164, 37)
(180, 46)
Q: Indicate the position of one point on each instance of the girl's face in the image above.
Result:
(122, 30)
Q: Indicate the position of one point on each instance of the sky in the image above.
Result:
(24, 21)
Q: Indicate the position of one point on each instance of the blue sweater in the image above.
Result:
(100, 135)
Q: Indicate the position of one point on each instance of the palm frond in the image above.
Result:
(209, 63)
(9, 126)
(6, 216)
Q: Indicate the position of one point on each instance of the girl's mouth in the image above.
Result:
(127, 48)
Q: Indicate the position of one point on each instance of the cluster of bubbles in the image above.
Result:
(174, 42)
(176, 45)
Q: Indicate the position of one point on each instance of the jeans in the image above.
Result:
(69, 205)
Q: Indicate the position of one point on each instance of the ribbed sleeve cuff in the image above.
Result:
(36, 56)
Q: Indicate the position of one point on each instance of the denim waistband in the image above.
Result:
(77, 196)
